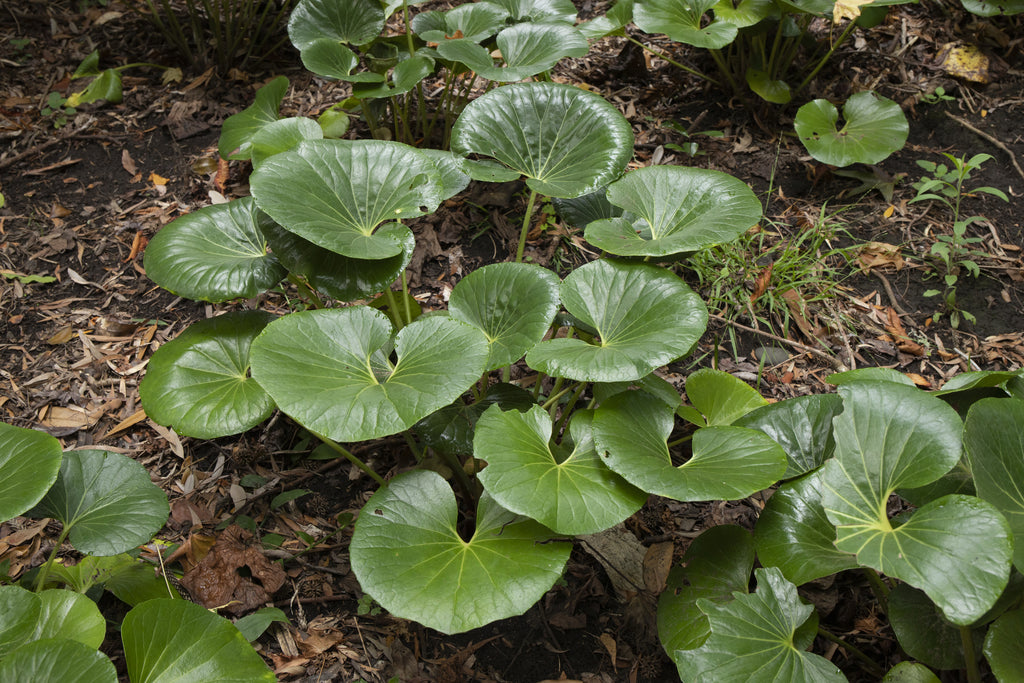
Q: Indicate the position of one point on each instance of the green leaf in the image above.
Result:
(512, 303)
(645, 317)
(67, 661)
(910, 672)
(891, 436)
(579, 212)
(527, 49)
(239, 128)
(995, 450)
(746, 12)
(341, 277)
(199, 383)
(1002, 646)
(682, 21)
(407, 553)
(794, 534)
(767, 88)
(992, 8)
(566, 141)
(613, 21)
(286, 497)
(720, 397)
(923, 632)
(679, 210)
(631, 431)
(340, 381)
(874, 128)
(328, 58)
(21, 610)
(451, 429)
(475, 21)
(407, 74)
(29, 462)
(717, 564)
(69, 616)
(344, 21)
(129, 579)
(281, 136)
(253, 625)
(177, 641)
(106, 86)
(452, 170)
(570, 492)
(869, 375)
(802, 426)
(752, 638)
(107, 500)
(90, 66)
(337, 193)
(215, 254)
(539, 10)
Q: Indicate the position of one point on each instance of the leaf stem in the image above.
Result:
(44, 571)
(338, 448)
(868, 663)
(678, 65)
(817, 67)
(878, 587)
(970, 657)
(568, 409)
(393, 307)
(405, 299)
(304, 286)
(526, 226)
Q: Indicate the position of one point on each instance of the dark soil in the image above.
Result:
(82, 199)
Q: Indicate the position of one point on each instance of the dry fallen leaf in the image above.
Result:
(879, 255)
(966, 62)
(218, 581)
(847, 9)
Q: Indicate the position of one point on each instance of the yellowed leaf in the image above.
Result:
(966, 62)
(157, 179)
(847, 9)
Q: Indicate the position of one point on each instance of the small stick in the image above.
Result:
(993, 140)
(832, 360)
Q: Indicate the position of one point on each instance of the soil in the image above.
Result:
(84, 196)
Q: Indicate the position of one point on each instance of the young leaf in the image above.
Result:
(802, 426)
(199, 383)
(338, 193)
(644, 316)
(570, 493)
(215, 254)
(539, 10)
(753, 638)
(29, 462)
(239, 128)
(328, 58)
(682, 21)
(281, 136)
(66, 615)
(910, 672)
(512, 303)
(407, 553)
(451, 429)
(527, 49)
(176, 640)
(720, 397)
(631, 431)
(129, 579)
(474, 21)
(340, 381)
(680, 210)
(67, 661)
(253, 625)
(107, 500)
(566, 141)
(875, 128)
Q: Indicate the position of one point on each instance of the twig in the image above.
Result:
(43, 145)
(993, 140)
(832, 360)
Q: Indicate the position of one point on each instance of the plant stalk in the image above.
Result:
(817, 67)
(304, 286)
(970, 657)
(868, 663)
(878, 587)
(526, 226)
(678, 65)
(338, 448)
(44, 571)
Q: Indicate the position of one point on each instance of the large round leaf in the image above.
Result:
(29, 461)
(875, 128)
(802, 426)
(526, 49)
(177, 641)
(107, 500)
(794, 534)
(328, 58)
(993, 8)
(566, 141)
(330, 370)
(407, 553)
(68, 615)
(52, 661)
(571, 493)
(21, 609)
(339, 276)
(239, 128)
(746, 12)
(199, 383)
(891, 436)
(217, 253)
(512, 303)
(539, 10)
(923, 633)
(756, 636)
(337, 193)
(645, 317)
(344, 21)
(631, 430)
(679, 209)
(281, 136)
(682, 21)
(475, 21)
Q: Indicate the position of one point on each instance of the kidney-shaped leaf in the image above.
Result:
(337, 193)
(682, 21)
(645, 317)
(199, 383)
(539, 10)
(995, 447)
(566, 141)
(875, 128)
(631, 431)
(527, 49)
(754, 636)
(51, 660)
(794, 534)
(571, 493)
(107, 500)
(328, 58)
(802, 426)
(512, 303)
(721, 397)
(407, 553)
(340, 382)
(475, 21)
(344, 21)
(215, 254)
(679, 209)
(890, 436)
(177, 641)
(239, 128)
(29, 461)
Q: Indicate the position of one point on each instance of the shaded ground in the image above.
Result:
(83, 199)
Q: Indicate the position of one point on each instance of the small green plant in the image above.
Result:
(954, 252)
(57, 109)
(936, 96)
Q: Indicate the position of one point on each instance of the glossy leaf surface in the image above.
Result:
(721, 397)
(474, 21)
(281, 136)
(1002, 645)
(526, 49)
(923, 633)
(645, 317)
(67, 615)
(215, 254)
(682, 21)
(344, 21)
(199, 383)
(802, 426)
(407, 553)
(53, 660)
(29, 462)
(21, 609)
(874, 128)
(239, 128)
